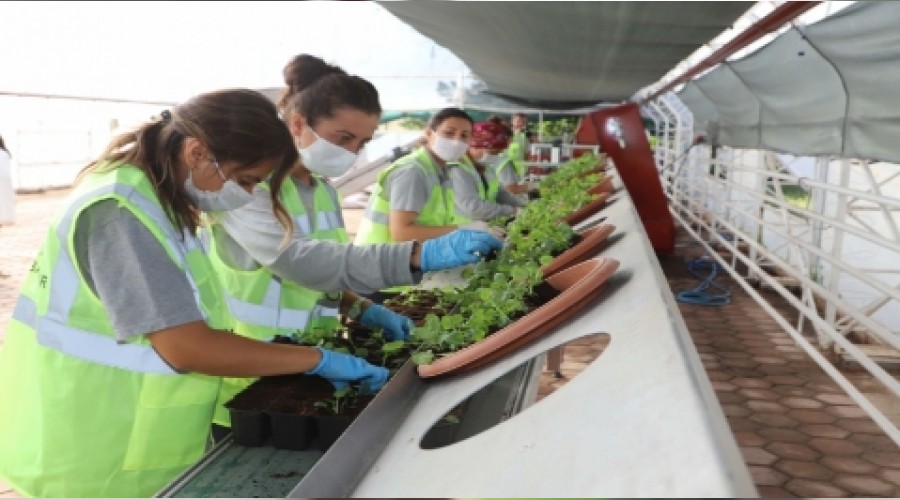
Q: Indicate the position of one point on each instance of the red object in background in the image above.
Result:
(635, 166)
(578, 152)
(538, 157)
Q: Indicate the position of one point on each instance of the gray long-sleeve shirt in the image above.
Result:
(506, 171)
(252, 237)
(469, 203)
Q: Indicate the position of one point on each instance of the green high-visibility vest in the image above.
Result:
(488, 193)
(438, 210)
(263, 305)
(82, 415)
(515, 152)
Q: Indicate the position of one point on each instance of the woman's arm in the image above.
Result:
(506, 198)
(197, 348)
(509, 179)
(408, 190)
(404, 228)
(469, 203)
(110, 242)
(516, 188)
(317, 264)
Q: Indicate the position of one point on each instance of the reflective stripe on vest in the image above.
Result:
(378, 217)
(87, 346)
(52, 330)
(271, 315)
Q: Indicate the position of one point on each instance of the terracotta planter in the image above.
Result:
(605, 186)
(586, 211)
(592, 240)
(579, 286)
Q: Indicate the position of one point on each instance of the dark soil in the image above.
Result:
(293, 394)
(297, 394)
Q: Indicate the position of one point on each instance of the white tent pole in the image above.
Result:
(460, 91)
(540, 125)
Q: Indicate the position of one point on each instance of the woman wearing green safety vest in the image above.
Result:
(477, 192)
(510, 167)
(413, 199)
(331, 116)
(110, 369)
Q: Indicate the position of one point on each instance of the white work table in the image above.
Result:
(641, 420)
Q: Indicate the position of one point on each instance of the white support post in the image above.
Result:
(817, 205)
(758, 236)
(837, 249)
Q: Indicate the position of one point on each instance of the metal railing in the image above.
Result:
(821, 232)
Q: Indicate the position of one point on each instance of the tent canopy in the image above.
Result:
(563, 55)
(828, 88)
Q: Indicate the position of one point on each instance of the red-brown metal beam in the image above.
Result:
(784, 13)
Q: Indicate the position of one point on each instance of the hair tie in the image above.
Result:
(166, 116)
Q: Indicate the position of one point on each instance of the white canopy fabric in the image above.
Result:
(561, 54)
(827, 88)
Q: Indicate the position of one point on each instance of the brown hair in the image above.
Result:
(3, 146)
(438, 118)
(317, 89)
(237, 125)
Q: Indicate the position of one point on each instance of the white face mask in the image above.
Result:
(230, 197)
(449, 149)
(327, 159)
(489, 159)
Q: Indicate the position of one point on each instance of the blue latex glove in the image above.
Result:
(461, 247)
(395, 326)
(341, 369)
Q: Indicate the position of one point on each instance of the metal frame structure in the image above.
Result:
(813, 255)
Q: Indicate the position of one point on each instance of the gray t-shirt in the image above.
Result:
(250, 237)
(142, 290)
(408, 188)
(469, 203)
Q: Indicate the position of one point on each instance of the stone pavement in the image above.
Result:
(800, 435)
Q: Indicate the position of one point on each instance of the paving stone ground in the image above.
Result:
(800, 434)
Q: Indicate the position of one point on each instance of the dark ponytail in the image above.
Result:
(237, 125)
(316, 90)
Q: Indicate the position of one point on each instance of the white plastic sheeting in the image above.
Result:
(827, 88)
